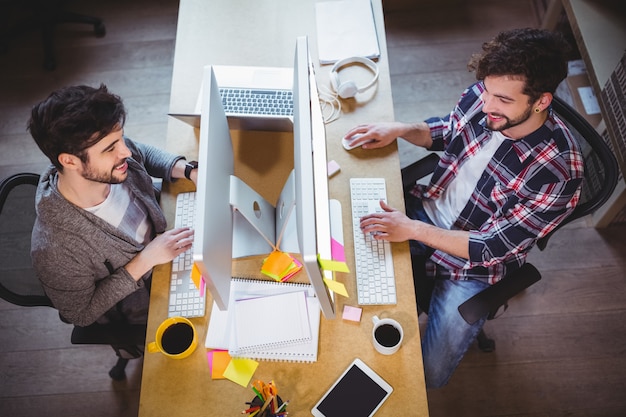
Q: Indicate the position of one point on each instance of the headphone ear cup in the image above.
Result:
(347, 89)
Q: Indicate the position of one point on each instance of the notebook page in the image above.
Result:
(270, 322)
(305, 352)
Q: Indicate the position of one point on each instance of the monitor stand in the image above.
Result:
(258, 226)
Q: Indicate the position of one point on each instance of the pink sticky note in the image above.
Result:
(202, 286)
(337, 251)
(352, 313)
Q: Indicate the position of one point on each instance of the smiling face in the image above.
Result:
(506, 106)
(105, 161)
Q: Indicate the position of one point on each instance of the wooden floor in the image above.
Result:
(561, 346)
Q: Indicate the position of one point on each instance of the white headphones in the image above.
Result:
(348, 89)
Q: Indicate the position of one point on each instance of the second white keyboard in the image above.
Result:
(373, 260)
(185, 299)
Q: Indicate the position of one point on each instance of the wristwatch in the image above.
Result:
(191, 165)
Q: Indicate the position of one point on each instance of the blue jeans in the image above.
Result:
(447, 335)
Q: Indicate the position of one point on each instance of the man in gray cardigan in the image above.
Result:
(99, 229)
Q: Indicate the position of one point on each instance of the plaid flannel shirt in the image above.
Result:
(529, 186)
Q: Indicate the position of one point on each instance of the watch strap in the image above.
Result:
(190, 166)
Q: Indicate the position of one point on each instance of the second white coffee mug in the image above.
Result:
(387, 335)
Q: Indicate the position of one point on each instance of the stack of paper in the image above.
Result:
(268, 321)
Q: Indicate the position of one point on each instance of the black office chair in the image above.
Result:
(600, 180)
(20, 286)
(43, 15)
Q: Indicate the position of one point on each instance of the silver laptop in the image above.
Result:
(254, 98)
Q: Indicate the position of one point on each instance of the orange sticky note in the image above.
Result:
(196, 276)
(276, 264)
(218, 361)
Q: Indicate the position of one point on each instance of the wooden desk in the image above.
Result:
(263, 33)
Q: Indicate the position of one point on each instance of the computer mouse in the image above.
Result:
(347, 142)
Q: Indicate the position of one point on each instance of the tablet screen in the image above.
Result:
(354, 394)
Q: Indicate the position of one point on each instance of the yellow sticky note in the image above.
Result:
(241, 370)
(196, 276)
(328, 265)
(336, 287)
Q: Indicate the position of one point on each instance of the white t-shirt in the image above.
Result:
(122, 210)
(444, 210)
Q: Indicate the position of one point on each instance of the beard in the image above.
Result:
(508, 123)
(110, 177)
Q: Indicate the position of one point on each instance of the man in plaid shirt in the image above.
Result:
(509, 173)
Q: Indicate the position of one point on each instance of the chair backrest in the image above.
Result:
(601, 168)
(18, 283)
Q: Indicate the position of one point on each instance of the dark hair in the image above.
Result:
(73, 119)
(536, 55)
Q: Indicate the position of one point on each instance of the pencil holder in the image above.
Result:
(268, 412)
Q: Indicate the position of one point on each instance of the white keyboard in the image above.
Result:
(185, 299)
(374, 263)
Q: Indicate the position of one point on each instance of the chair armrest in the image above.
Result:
(109, 334)
(491, 298)
(419, 169)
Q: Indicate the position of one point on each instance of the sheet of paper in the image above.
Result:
(271, 321)
(345, 29)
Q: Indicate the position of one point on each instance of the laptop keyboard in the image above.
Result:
(240, 101)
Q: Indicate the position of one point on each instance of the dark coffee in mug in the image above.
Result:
(177, 338)
(387, 335)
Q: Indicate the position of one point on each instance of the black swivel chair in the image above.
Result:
(20, 286)
(43, 15)
(600, 180)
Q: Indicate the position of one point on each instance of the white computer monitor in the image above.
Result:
(224, 229)
(311, 177)
(212, 248)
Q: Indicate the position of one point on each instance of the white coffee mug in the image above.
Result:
(387, 335)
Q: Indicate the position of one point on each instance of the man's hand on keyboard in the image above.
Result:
(170, 244)
(389, 224)
(160, 250)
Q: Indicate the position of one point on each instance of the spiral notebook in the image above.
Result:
(267, 320)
